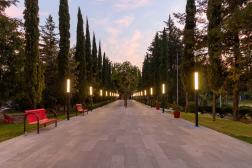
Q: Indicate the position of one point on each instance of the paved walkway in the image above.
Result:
(138, 137)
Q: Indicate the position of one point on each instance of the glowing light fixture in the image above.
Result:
(91, 91)
(196, 81)
(68, 86)
(163, 88)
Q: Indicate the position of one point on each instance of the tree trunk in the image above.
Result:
(236, 76)
(187, 101)
(214, 107)
(236, 101)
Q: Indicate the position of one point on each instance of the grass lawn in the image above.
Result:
(8, 131)
(235, 129)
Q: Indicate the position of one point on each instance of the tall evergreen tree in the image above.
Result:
(12, 56)
(156, 53)
(49, 54)
(214, 14)
(49, 42)
(233, 48)
(80, 59)
(187, 65)
(64, 45)
(88, 54)
(100, 65)
(104, 70)
(94, 62)
(33, 70)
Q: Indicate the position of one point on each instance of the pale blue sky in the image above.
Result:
(125, 27)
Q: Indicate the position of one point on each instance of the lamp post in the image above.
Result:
(163, 94)
(68, 91)
(91, 96)
(145, 96)
(196, 87)
(151, 94)
(106, 93)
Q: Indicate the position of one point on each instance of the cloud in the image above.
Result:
(17, 12)
(14, 11)
(125, 21)
(131, 4)
(124, 48)
(132, 46)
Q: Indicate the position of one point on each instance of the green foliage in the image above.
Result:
(48, 56)
(126, 77)
(80, 59)
(33, 68)
(12, 59)
(64, 45)
(94, 62)
(105, 72)
(215, 68)
(187, 65)
(160, 64)
(238, 57)
(99, 66)
(215, 44)
(88, 55)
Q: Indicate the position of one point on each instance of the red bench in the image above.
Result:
(38, 117)
(80, 109)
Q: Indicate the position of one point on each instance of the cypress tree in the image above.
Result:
(109, 81)
(163, 57)
(156, 63)
(214, 49)
(80, 59)
(187, 65)
(88, 54)
(64, 45)
(100, 65)
(94, 61)
(33, 70)
(104, 70)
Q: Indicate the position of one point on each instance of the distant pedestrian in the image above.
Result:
(125, 101)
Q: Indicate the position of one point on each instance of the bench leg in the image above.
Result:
(38, 127)
(56, 123)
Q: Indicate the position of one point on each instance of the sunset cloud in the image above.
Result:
(125, 27)
(131, 4)
(14, 11)
(125, 21)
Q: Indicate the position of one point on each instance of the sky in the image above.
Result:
(124, 27)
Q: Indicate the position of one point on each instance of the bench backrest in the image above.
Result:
(79, 107)
(41, 113)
